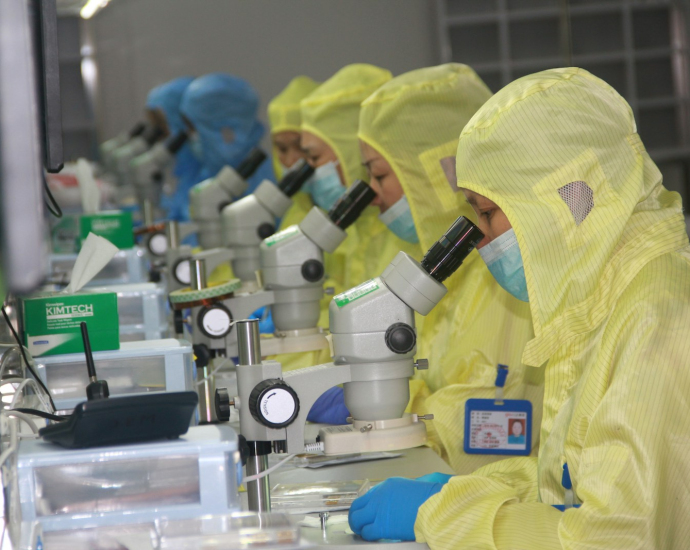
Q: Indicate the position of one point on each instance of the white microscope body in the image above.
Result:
(373, 343)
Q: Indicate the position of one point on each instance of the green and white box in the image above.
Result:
(114, 225)
(52, 322)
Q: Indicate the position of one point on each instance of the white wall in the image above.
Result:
(141, 43)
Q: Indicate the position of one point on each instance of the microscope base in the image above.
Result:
(374, 436)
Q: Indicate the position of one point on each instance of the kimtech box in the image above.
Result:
(52, 322)
(114, 225)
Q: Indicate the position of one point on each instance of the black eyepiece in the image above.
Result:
(137, 129)
(293, 181)
(351, 204)
(446, 255)
(251, 163)
(152, 134)
(176, 142)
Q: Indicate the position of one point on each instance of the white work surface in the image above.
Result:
(414, 463)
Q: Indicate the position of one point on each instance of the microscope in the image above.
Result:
(107, 148)
(373, 342)
(122, 156)
(291, 266)
(148, 169)
(208, 198)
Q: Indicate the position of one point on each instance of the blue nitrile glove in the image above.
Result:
(389, 510)
(329, 408)
(265, 318)
(436, 477)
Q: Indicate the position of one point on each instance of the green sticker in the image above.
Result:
(356, 293)
(282, 235)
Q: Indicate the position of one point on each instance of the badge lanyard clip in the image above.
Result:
(501, 376)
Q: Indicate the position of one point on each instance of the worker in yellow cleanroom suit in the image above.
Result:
(330, 118)
(408, 130)
(286, 120)
(577, 222)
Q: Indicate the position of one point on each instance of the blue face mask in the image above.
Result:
(398, 218)
(502, 257)
(195, 146)
(325, 186)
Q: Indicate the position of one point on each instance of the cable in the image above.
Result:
(42, 414)
(23, 416)
(18, 392)
(214, 371)
(268, 471)
(28, 365)
(54, 209)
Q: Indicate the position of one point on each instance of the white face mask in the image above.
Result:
(398, 218)
(325, 186)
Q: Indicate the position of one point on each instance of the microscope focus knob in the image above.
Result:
(400, 338)
(223, 403)
(182, 272)
(312, 270)
(273, 403)
(215, 321)
(265, 230)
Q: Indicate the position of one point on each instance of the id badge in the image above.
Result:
(498, 428)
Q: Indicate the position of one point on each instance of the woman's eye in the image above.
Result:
(487, 214)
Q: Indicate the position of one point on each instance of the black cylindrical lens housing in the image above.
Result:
(251, 163)
(446, 255)
(293, 181)
(175, 143)
(137, 129)
(152, 134)
(351, 204)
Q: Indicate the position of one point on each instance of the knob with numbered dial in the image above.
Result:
(273, 403)
(215, 321)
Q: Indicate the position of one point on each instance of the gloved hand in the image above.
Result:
(329, 408)
(436, 477)
(389, 510)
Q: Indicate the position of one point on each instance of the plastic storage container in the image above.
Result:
(137, 367)
(193, 476)
(127, 266)
(142, 309)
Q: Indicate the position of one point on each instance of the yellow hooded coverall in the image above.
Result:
(607, 265)
(284, 116)
(331, 113)
(414, 122)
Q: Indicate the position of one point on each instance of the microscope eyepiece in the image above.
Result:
(176, 142)
(251, 163)
(137, 129)
(446, 255)
(152, 134)
(293, 181)
(351, 204)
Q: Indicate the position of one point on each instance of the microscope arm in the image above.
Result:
(309, 384)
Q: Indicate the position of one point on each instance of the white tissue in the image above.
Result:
(90, 193)
(95, 253)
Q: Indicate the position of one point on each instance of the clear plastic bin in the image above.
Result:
(137, 367)
(127, 266)
(142, 310)
(305, 498)
(186, 478)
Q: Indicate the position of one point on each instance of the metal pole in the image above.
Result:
(172, 231)
(198, 272)
(248, 342)
(259, 491)
(148, 212)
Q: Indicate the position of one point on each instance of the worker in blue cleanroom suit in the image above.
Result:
(165, 100)
(221, 110)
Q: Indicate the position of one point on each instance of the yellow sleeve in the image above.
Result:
(464, 513)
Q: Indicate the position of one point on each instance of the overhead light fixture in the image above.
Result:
(91, 7)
